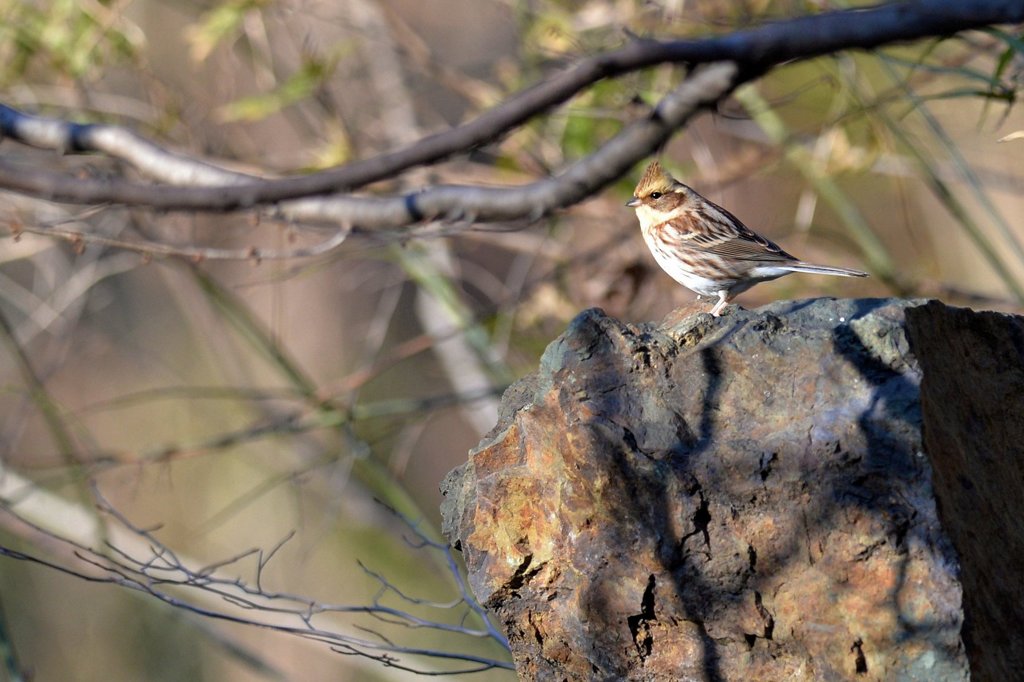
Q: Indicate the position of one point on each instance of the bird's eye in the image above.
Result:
(655, 195)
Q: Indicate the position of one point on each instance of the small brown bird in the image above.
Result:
(704, 247)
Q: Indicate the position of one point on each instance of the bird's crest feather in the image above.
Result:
(655, 179)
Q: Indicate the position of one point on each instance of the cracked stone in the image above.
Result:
(721, 499)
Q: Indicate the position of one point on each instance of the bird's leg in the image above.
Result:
(723, 300)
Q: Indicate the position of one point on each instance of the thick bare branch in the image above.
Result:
(753, 51)
(448, 202)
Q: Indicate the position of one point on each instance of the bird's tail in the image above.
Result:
(825, 270)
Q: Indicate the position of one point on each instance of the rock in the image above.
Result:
(972, 397)
(741, 498)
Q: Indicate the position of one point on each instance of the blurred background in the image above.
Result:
(165, 411)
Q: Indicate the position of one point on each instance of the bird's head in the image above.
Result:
(658, 194)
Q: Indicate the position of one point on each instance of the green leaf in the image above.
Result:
(217, 24)
(297, 87)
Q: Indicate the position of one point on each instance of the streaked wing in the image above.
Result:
(752, 248)
(723, 234)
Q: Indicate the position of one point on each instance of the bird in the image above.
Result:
(705, 247)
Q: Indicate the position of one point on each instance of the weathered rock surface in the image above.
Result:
(749, 498)
(972, 397)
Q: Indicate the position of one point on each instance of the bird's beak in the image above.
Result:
(633, 203)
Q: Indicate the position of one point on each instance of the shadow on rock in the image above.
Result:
(715, 499)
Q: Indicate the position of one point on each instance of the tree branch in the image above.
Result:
(753, 51)
(449, 202)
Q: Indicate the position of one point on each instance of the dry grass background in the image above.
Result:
(163, 373)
